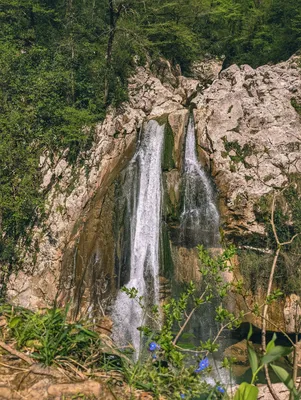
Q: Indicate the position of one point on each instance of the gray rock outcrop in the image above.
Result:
(250, 136)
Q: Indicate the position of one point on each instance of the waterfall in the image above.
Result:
(200, 218)
(142, 194)
(199, 221)
(200, 225)
(145, 221)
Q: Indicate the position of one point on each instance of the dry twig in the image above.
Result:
(17, 353)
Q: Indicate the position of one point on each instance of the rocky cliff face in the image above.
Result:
(76, 195)
(249, 135)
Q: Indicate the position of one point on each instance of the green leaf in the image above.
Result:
(250, 332)
(286, 378)
(271, 343)
(14, 322)
(275, 353)
(253, 359)
(246, 391)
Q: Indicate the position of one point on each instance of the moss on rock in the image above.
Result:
(168, 162)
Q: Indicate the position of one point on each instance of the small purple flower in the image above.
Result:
(182, 395)
(220, 389)
(153, 346)
(203, 364)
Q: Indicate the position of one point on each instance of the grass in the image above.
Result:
(50, 338)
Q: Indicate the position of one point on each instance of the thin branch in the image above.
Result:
(16, 353)
(188, 318)
(184, 326)
(273, 221)
(269, 290)
(263, 332)
(13, 367)
(282, 331)
(290, 241)
(226, 326)
(189, 350)
(295, 354)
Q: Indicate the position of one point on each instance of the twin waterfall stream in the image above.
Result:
(199, 223)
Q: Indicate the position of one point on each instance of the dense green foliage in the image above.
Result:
(63, 61)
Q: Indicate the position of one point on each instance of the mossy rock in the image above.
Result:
(162, 119)
(168, 162)
(166, 261)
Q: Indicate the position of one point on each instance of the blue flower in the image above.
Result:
(220, 389)
(154, 356)
(153, 346)
(203, 364)
(182, 395)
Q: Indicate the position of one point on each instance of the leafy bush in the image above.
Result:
(49, 336)
(163, 367)
(171, 370)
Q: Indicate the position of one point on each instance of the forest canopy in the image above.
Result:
(62, 62)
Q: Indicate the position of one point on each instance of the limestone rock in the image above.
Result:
(251, 134)
(207, 70)
(177, 121)
(240, 352)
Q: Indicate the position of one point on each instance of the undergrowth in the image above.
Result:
(162, 367)
(50, 338)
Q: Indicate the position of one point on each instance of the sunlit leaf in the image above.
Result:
(286, 378)
(275, 353)
(246, 391)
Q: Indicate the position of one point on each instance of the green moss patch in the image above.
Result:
(240, 152)
(296, 105)
(168, 162)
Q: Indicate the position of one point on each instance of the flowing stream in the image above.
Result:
(145, 233)
(200, 218)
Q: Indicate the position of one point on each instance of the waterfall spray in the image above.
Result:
(145, 233)
(200, 218)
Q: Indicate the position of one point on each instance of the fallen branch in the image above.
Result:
(13, 367)
(260, 250)
(17, 353)
(48, 371)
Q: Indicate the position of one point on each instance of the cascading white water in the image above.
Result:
(200, 225)
(145, 233)
(200, 218)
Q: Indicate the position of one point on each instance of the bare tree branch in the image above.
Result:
(269, 290)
